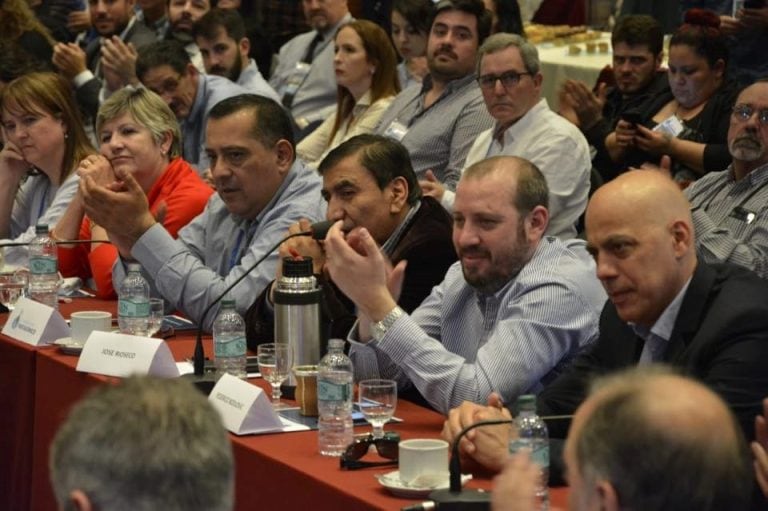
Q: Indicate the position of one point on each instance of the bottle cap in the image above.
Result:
(336, 344)
(526, 402)
(293, 268)
(41, 229)
(134, 267)
(227, 303)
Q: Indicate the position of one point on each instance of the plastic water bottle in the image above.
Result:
(533, 436)
(43, 268)
(334, 400)
(229, 345)
(133, 303)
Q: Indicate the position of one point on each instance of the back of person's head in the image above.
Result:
(529, 184)
(271, 122)
(385, 158)
(145, 444)
(50, 93)
(16, 62)
(639, 30)
(17, 17)
(502, 41)
(475, 8)
(213, 21)
(663, 442)
(147, 109)
(701, 31)
(417, 13)
(162, 53)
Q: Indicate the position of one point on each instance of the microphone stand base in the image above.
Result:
(203, 383)
(463, 500)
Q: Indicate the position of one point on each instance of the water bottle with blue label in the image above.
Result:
(43, 268)
(334, 400)
(133, 303)
(229, 344)
(532, 436)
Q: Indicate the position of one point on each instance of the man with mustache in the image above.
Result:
(510, 80)
(304, 77)
(223, 43)
(730, 208)
(508, 317)
(637, 42)
(438, 120)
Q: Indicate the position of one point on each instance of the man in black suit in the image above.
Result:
(368, 181)
(709, 321)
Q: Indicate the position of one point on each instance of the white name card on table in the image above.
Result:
(35, 323)
(115, 354)
(246, 409)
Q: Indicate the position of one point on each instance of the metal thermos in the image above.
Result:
(297, 313)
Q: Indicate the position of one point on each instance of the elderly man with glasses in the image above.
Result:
(510, 80)
(730, 208)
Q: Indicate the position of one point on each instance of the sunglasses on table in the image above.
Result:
(386, 446)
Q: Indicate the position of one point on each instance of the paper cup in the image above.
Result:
(84, 322)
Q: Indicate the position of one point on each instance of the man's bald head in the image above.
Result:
(639, 230)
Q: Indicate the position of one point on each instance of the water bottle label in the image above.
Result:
(42, 265)
(539, 451)
(233, 347)
(329, 391)
(131, 309)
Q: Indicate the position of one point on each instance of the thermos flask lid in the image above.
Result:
(297, 268)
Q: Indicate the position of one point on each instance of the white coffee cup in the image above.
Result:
(422, 457)
(84, 322)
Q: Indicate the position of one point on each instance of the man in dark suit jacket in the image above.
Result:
(710, 322)
(368, 181)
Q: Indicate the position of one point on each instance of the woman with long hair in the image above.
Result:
(44, 141)
(19, 25)
(367, 82)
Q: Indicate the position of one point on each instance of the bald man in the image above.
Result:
(689, 431)
(710, 321)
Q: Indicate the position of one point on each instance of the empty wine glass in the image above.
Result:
(13, 285)
(377, 400)
(156, 315)
(275, 361)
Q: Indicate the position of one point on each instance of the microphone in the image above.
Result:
(317, 230)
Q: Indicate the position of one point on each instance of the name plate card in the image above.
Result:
(35, 323)
(245, 409)
(115, 354)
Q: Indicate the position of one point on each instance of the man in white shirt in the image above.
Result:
(510, 80)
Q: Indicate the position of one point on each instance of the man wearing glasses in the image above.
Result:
(730, 208)
(510, 80)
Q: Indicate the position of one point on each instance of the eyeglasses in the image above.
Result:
(743, 112)
(508, 79)
(386, 446)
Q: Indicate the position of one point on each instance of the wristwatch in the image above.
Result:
(380, 328)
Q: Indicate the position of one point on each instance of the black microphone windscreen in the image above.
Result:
(320, 229)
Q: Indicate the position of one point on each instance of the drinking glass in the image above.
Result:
(156, 315)
(377, 400)
(13, 285)
(275, 361)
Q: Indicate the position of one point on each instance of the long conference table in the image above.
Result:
(38, 385)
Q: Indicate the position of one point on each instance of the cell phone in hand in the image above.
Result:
(632, 117)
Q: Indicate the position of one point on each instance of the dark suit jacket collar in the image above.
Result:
(691, 314)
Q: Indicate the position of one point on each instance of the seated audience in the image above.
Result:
(139, 135)
(220, 35)
(368, 182)
(730, 208)
(44, 142)
(165, 69)
(508, 317)
(143, 444)
(439, 121)
(709, 321)
(261, 189)
(631, 442)
(304, 75)
(636, 76)
(510, 79)
(367, 83)
(690, 123)
(410, 26)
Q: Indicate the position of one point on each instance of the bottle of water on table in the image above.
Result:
(133, 303)
(533, 436)
(334, 400)
(43, 268)
(229, 344)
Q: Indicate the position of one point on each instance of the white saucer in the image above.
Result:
(391, 481)
(69, 346)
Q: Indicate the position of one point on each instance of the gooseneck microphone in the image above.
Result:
(317, 230)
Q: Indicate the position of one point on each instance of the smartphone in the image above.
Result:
(632, 117)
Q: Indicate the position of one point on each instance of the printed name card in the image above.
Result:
(35, 323)
(244, 408)
(115, 354)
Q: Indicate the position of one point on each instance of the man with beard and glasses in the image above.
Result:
(508, 317)
(730, 208)
(304, 77)
(439, 119)
(223, 43)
